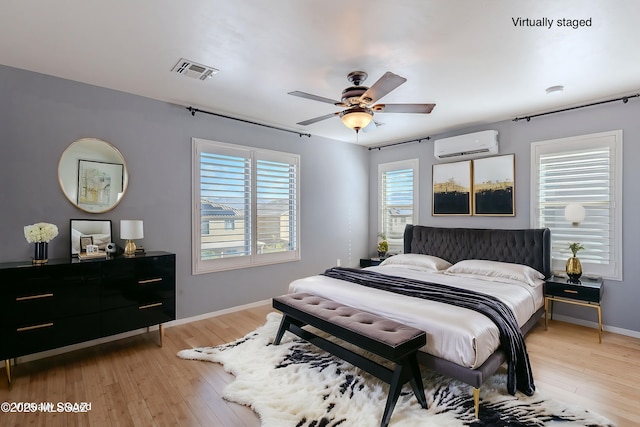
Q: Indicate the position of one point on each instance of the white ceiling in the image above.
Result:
(467, 57)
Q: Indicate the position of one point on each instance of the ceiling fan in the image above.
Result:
(358, 101)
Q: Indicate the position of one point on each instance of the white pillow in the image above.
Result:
(497, 272)
(428, 262)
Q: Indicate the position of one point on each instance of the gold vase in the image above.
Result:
(574, 269)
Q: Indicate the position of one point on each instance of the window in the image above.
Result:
(587, 170)
(245, 209)
(398, 200)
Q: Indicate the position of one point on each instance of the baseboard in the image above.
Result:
(594, 325)
(79, 346)
(216, 313)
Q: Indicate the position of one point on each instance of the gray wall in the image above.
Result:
(41, 115)
(620, 298)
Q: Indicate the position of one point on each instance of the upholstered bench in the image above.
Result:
(386, 338)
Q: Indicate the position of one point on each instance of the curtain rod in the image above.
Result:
(624, 99)
(426, 138)
(193, 112)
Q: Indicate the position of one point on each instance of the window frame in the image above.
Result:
(397, 245)
(255, 258)
(614, 141)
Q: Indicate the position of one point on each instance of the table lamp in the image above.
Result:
(131, 229)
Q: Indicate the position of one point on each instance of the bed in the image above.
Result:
(461, 344)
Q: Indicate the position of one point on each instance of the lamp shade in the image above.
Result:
(574, 213)
(131, 229)
(356, 117)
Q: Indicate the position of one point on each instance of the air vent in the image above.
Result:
(194, 70)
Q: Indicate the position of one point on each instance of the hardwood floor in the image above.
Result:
(133, 382)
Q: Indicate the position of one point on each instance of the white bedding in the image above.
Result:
(459, 335)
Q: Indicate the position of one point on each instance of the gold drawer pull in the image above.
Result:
(142, 307)
(34, 297)
(144, 282)
(570, 291)
(30, 328)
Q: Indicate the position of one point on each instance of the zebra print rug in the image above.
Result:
(298, 385)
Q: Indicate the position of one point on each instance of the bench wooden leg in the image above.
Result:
(406, 369)
(394, 393)
(416, 381)
(284, 327)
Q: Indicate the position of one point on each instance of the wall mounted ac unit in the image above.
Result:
(467, 146)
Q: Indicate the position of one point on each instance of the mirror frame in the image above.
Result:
(102, 169)
(88, 228)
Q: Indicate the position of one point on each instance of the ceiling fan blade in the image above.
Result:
(314, 97)
(403, 108)
(383, 86)
(317, 119)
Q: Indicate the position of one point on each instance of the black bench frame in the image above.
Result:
(404, 355)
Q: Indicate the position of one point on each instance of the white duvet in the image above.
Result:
(460, 335)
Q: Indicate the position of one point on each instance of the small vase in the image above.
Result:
(381, 254)
(574, 269)
(40, 255)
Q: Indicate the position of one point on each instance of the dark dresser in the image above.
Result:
(68, 301)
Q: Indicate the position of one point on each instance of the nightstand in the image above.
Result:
(587, 293)
(370, 262)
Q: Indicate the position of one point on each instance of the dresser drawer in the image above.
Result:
(138, 316)
(139, 281)
(40, 336)
(50, 303)
(53, 293)
(573, 291)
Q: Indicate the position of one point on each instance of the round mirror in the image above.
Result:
(93, 175)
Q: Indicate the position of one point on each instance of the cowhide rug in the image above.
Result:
(296, 384)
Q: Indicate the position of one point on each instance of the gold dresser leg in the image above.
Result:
(161, 333)
(7, 367)
(600, 323)
(476, 401)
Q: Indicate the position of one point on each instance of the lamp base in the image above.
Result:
(130, 249)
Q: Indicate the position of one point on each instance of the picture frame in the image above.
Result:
(452, 188)
(494, 186)
(94, 232)
(100, 184)
(84, 242)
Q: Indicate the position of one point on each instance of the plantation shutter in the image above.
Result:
(583, 173)
(245, 206)
(225, 225)
(277, 201)
(398, 200)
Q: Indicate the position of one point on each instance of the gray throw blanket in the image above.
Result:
(519, 374)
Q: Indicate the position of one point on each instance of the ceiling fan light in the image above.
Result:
(356, 118)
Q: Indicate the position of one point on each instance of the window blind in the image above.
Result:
(246, 206)
(583, 177)
(276, 184)
(398, 195)
(587, 170)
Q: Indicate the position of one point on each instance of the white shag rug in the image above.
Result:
(296, 384)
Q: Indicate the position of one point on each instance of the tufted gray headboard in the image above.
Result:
(530, 247)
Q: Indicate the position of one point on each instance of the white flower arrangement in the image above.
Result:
(40, 232)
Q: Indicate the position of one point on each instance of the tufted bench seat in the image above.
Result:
(386, 338)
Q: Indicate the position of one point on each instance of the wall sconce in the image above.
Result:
(131, 229)
(574, 213)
